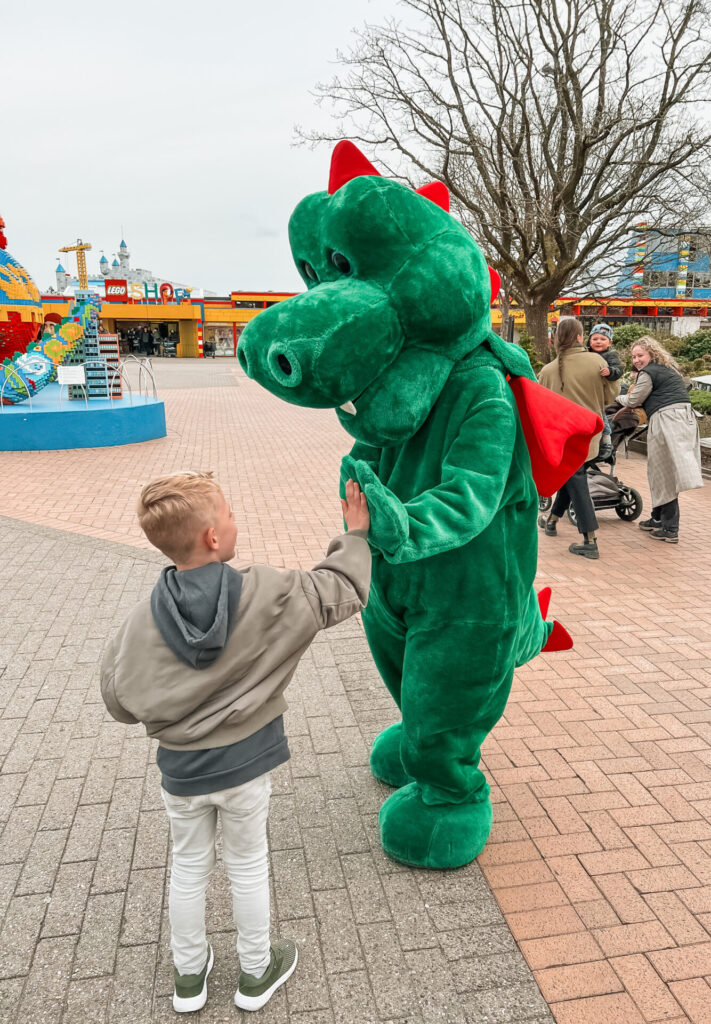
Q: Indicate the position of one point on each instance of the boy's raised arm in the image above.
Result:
(338, 586)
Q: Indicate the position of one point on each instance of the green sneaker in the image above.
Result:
(190, 991)
(253, 993)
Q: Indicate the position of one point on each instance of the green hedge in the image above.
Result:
(624, 336)
(701, 400)
(695, 346)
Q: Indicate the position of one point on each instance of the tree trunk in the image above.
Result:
(537, 327)
(505, 308)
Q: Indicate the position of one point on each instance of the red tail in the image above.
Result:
(544, 601)
(559, 640)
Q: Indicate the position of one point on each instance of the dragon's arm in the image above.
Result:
(474, 475)
(360, 452)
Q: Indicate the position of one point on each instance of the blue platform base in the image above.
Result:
(104, 423)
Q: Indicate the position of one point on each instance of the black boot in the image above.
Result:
(650, 524)
(588, 549)
(547, 526)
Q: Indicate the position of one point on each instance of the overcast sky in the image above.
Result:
(173, 120)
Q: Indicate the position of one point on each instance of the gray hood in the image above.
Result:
(196, 610)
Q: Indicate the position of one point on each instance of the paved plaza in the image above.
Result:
(591, 903)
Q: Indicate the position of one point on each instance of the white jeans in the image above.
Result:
(193, 823)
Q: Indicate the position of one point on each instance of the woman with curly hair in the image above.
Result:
(673, 450)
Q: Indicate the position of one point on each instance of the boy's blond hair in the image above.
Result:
(173, 509)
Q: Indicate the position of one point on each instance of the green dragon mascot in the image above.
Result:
(394, 332)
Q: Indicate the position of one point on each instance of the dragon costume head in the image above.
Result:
(397, 292)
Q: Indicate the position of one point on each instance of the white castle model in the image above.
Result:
(120, 269)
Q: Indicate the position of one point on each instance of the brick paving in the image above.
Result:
(278, 464)
(600, 857)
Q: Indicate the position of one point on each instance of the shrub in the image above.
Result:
(624, 336)
(701, 400)
(674, 346)
(625, 355)
(695, 346)
(529, 346)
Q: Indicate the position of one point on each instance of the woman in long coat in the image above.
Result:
(673, 450)
(580, 376)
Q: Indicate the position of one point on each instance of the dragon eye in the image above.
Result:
(309, 271)
(340, 262)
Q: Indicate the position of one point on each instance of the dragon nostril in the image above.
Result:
(284, 365)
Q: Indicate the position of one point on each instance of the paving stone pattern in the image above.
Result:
(600, 856)
(85, 846)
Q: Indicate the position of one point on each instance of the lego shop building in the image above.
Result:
(163, 320)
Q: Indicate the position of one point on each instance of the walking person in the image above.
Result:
(673, 449)
(578, 375)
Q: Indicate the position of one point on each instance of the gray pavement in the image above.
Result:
(85, 849)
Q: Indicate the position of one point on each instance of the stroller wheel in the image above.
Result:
(544, 504)
(572, 516)
(629, 507)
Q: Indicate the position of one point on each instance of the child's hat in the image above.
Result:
(602, 329)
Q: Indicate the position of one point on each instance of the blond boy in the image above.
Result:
(203, 664)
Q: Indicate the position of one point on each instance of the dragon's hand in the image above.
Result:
(388, 518)
(348, 472)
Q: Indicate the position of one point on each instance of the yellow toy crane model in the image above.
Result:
(80, 248)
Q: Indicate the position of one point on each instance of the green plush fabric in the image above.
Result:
(405, 335)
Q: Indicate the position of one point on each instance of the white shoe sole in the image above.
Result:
(195, 1002)
(257, 1002)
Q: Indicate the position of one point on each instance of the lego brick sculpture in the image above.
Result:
(20, 306)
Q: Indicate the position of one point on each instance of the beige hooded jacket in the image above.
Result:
(278, 616)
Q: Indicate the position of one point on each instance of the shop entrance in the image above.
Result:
(218, 340)
(148, 338)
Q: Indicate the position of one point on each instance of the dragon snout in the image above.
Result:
(282, 363)
(322, 347)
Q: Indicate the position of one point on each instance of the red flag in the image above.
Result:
(557, 431)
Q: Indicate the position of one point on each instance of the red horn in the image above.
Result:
(437, 192)
(495, 284)
(347, 162)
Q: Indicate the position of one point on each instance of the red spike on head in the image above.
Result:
(347, 162)
(3, 240)
(495, 279)
(437, 192)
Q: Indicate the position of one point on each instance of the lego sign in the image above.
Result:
(160, 291)
(116, 291)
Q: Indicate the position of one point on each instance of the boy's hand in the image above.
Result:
(355, 508)
(605, 371)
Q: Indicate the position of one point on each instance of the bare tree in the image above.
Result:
(556, 124)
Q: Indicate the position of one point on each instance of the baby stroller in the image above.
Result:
(607, 490)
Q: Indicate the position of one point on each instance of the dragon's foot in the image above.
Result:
(385, 762)
(433, 835)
